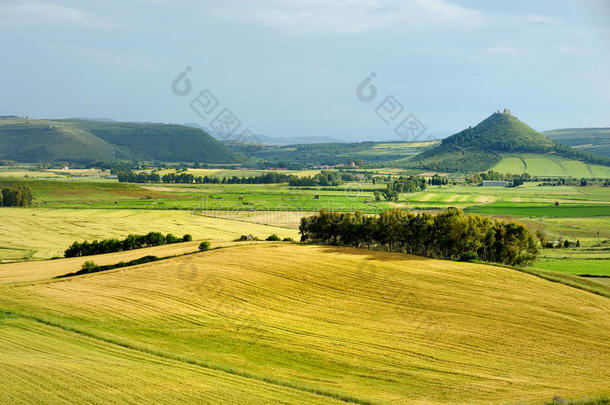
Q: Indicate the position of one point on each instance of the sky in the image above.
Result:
(288, 68)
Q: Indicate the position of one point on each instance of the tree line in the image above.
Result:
(324, 178)
(403, 184)
(450, 234)
(129, 243)
(16, 197)
(188, 178)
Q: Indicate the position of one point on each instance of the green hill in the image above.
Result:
(484, 146)
(27, 140)
(592, 140)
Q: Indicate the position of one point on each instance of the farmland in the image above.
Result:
(338, 322)
(47, 233)
(549, 165)
(257, 322)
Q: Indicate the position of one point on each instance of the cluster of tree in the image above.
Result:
(448, 235)
(517, 179)
(437, 180)
(265, 165)
(324, 178)
(16, 197)
(186, 178)
(408, 184)
(561, 244)
(129, 243)
(7, 163)
(583, 182)
(451, 158)
(138, 177)
(579, 155)
(403, 184)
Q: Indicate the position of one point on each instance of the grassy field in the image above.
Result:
(348, 196)
(549, 166)
(303, 323)
(45, 233)
(597, 267)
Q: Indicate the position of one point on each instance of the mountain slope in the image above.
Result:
(81, 140)
(482, 147)
(592, 140)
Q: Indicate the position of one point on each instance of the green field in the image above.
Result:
(254, 322)
(298, 324)
(576, 266)
(550, 165)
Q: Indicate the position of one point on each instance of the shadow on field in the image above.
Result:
(374, 254)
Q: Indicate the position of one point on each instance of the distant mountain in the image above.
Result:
(482, 147)
(270, 140)
(592, 140)
(297, 140)
(27, 140)
(93, 119)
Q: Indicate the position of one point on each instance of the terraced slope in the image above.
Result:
(290, 320)
(592, 140)
(552, 165)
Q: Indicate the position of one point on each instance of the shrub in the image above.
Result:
(156, 239)
(273, 238)
(88, 266)
(469, 256)
(288, 240)
(169, 238)
(204, 246)
(187, 238)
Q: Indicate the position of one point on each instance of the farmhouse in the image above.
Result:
(500, 183)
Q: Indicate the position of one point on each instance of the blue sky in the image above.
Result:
(291, 68)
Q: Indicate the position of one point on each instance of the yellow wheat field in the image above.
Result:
(28, 234)
(299, 323)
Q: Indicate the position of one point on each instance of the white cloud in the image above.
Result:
(352, 16)
(28, 12)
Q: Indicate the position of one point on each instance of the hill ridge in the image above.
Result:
(77, 140)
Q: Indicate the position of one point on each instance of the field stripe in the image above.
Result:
(273, 381)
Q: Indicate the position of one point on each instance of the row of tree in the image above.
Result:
(129, 243)
(437, 180)
(324, 178)
(448, 235)
(188, 178)
(16, 197)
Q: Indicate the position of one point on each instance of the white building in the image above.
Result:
(500, 183)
